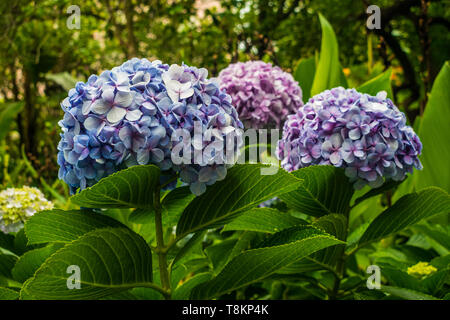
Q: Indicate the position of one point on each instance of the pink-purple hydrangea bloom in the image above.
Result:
(366, 135)
(126, 116)
(263, 94)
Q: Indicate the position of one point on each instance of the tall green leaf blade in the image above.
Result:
(407, 211)
(434, 133)
(64, 226)
(328, 71)
(129, 188)
(304, 74)
(325, 190)
(382, 82)
(110, 260)
(265, 220)
(244, 187)
(251, 266)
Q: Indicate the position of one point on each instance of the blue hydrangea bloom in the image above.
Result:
(366, 135)
(129, 115)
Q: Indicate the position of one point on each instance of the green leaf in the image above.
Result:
(304, 74)
(142, 216)
(277, 251)
(328, 71)
(8, 113)
(437, 233)
(64, 226)
(407, 211)
(110, 260)
(194, 240)
(21, 244)
(243, 243)
(434, 133)
(407, 294)
(174, 203)
(183, 291)
(389, 185)
(382, 82)
(129, 188)
(433, 283)
(218, 253)
(400, 278)
(325, 190)
(8, 294)
(146, 294)
(7, 241)
(333, 224)
(266, 220)
(7, 262)
(244, 187)
(27, 264)
(64, 79)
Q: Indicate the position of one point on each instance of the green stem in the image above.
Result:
(389, 198)
(161, 250)
(338, 278)
(340, 265)
(153, 286)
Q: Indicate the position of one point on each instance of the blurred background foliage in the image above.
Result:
(41, 58)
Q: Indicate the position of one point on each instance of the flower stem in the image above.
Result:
(160, 248)
(340, 266)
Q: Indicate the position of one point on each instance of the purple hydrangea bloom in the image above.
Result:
(128, 116)
(263, 94)
(366, 135)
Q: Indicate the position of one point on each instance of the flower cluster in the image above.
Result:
(421, 269)
(366, 135)
(262, 94)
(18, 204)
(129, 115)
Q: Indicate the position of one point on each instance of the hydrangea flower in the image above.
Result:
(134, 113)
(366, 135)
(19, 204)
(263, 94)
